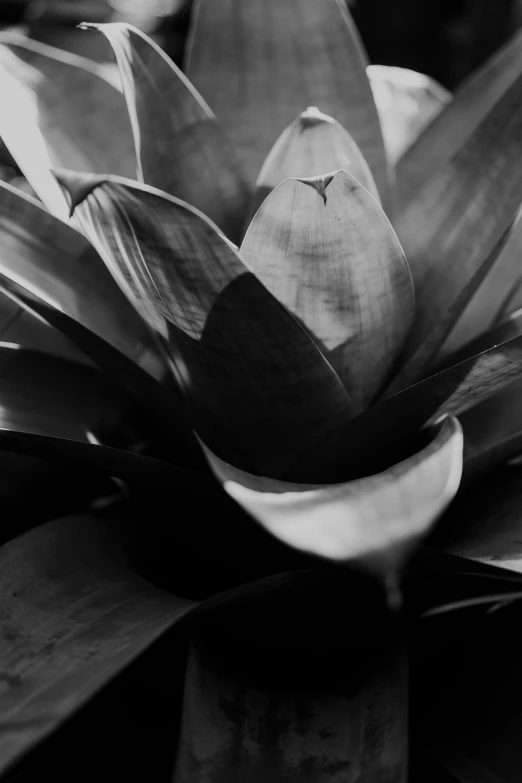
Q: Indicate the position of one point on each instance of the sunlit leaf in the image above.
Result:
(375, 521)
(260, 65)
(313, 145)
(51, 261)
(256, 384)
(407, 101)
(74, 615)
(453, 230)
(180, 148)
(448, 132)
(60, 110)
(327, 251)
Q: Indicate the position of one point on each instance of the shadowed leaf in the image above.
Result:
(180, 148)
(327, 251)
(260, 64)
(256, 384)
(448, 132)
(375, 521)
(453, 231)
(406, 102)
(75, 615)
(313, 145)
(60, 110)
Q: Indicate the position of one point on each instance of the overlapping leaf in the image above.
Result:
(374, 521)
(454, 229)
(180, 148)
(407, 102)
(326, 250)
(63, 112)
(260, 65)
(255, 382)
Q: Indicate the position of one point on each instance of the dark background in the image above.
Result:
(446, 39)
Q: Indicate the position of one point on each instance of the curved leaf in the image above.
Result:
(260, 65)
(313, 145)
(60, 111)
(327, 251)
(56, 264)
(374, 521)
(256, 384)
(407, 101)
(180, 148)
(453, 231)
(449, 131)
(74, 615)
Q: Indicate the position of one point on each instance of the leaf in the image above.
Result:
(255, 383)
(180, 148)
(407, 102)
(57, 265)
(450, 130)
(375, 521)
(327, 251)
(312, 145)
(60, 111)
(378, 436)
(74, 614)
(259, 66)
(453, 231)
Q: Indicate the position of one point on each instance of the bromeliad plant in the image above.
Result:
(309, 368)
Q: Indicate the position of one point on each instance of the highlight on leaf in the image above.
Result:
(256, 384)
(180, 148)
(327, 251)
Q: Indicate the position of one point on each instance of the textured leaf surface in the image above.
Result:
(407, 101)
(313, 145)
(262, 63)
(60, 110)
(448, 132)
(255, 382)
(453, 230)
(327, 251)
(180, 148)
(376, 520)
(73, 615)
(54, 263)
(494, 363)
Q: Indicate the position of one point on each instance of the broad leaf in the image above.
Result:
(55, 264)
(448, 132)
(60, 110)
(180, 148)
(375, 521)
(454, 229)
(74, 615)
(327, 251)
(406, 102)
(382, 433)
(313, 145)
(256, 384)
(260, 65)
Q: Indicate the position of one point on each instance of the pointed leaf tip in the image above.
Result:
(77, 185)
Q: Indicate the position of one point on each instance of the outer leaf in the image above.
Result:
(255, 382)
(260, 64)
(381, 434)
(449, 131)
(74, 615)
(313, 145)
(56, 264)
(180, 148)
(327, 251)
(406, 102)
(60, 111)
(453, 231)
(375, 521)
